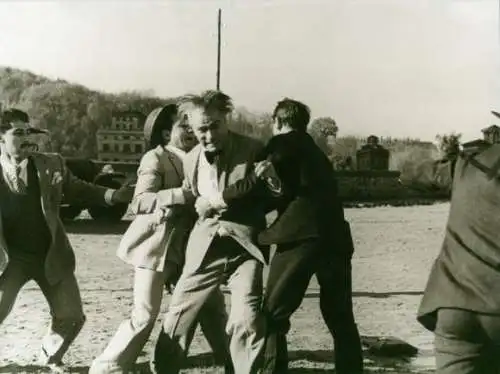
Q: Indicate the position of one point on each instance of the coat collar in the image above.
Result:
(44, 178)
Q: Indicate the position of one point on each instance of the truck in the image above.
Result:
(111, 175)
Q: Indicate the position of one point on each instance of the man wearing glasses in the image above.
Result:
(31, 188)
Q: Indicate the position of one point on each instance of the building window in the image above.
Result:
(126, 148)
(105, 147)
(138, 148)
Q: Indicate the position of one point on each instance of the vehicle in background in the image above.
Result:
(120, 146)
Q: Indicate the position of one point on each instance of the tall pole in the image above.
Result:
(218, 48)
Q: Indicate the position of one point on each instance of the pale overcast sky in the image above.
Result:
(389, 67)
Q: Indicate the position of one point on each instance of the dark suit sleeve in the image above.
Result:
(241, 188)
(78, 191)
(249, 187)
(149, 193)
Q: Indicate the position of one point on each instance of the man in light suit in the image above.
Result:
(154, 245)
(221, 247)
(31, 189)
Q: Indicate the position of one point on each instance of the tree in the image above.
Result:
(324, 126)
(324, 132)
(257, 126)
(449, 144)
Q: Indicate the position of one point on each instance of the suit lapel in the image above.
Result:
(224, 166)
(43, 175)
(193, 169)
(176, 163)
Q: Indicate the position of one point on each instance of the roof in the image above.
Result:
(491, 129)
(475, 143)
(127, 113)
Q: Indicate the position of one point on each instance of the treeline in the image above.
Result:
(73, 113)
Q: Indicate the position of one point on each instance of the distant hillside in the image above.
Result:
(71, 112)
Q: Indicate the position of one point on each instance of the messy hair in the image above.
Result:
(208, 100)
(292, 113)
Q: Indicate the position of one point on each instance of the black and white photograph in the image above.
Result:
(250, 186)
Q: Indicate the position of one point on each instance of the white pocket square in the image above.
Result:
(57, 177)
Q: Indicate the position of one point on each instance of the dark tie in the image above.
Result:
(18, 185)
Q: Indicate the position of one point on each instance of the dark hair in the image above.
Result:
(162, 118)
(10, 115)
(210, 100)
(292, 113)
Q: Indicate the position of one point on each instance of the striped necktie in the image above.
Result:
(17, 184)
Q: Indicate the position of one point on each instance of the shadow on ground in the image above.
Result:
(94, 227)
(373, 295)
(372, 363)
(13, 368)
(301, 362)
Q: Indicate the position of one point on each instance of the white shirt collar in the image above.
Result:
(10, 168)
(6, 163)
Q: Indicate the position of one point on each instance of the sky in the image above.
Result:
(402, 68)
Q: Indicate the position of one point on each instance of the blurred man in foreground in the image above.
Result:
(461, 303)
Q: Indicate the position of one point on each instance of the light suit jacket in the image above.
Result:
(55, 179)
(244, 218)
(147, 242)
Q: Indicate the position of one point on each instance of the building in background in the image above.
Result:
(491, 134)
(372, 156)
(123, 139)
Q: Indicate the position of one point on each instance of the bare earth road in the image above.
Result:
(395, 248)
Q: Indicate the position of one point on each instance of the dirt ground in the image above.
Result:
(395, 248)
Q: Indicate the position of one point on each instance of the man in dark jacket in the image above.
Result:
(461, 303)
(311, 237)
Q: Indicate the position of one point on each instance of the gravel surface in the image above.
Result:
(395, 247)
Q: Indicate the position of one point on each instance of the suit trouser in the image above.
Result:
(467, 342)
(291, 270)
(132, 335)
(225, 261)
(64, 302)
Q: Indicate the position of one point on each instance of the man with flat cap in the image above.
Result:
(461, 302)
(32, 185)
